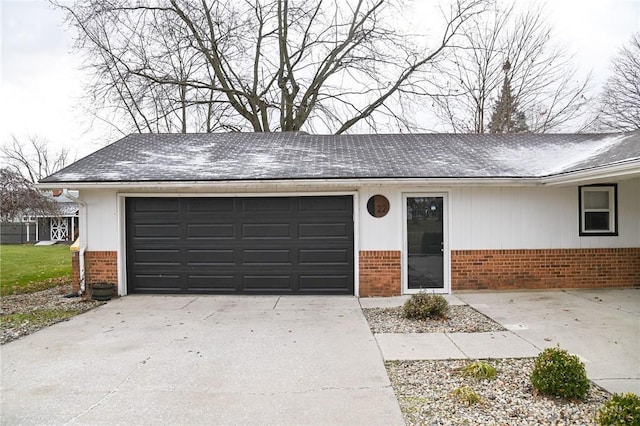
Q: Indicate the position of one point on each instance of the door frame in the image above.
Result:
(446, 254)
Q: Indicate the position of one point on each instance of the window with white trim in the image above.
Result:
(598, 215)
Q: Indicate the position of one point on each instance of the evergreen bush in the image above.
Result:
(621, 409)
(558, 373)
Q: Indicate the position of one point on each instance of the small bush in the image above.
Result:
(424, 306)
(621, 409)
(466, 395)
(558, 373)
(479, 370)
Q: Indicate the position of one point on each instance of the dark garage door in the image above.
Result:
(278, 245)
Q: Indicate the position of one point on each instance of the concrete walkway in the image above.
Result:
(201, 360)
(600, 326)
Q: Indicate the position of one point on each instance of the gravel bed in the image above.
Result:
(45, 308)
(461, 319)
(424, 391)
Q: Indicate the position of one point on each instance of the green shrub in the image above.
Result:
(558, 373)
(621, 409)
(425, 306)
(466, 395)
(479, 370)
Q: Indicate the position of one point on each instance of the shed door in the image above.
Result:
(274, 245)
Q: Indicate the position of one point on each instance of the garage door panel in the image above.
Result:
(324, 256)
(312, 205)
(267, 283)
(159, 256)
(266, 230)
(277, 245)
(157, 205)
(210, 205)
(323, 283)
(211, 231)
(158, 283)
(210, 257)
(159, 231)
(323, 230)
(267, 257)
(265, 205)
(211, 283)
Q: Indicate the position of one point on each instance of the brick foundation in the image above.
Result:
(544, 269)
(75, 271)
(100, 266)
(380, 273)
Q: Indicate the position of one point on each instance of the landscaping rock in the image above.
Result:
(424, 391)
(461, 319)
(24, 314)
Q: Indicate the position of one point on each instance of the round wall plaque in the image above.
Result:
(378, 206)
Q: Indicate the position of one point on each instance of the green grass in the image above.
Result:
(27, 268)
(41, 317)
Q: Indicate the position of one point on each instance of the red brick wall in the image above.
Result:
(99, 266)
(75, 270)
(380, 273)
(544, 269)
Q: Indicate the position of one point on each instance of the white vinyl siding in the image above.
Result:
(536, 218)
(481, 217)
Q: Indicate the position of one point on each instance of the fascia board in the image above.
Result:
(289, 183)
(625, 170)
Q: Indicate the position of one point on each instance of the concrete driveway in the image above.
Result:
(600, 326)
(201, 360)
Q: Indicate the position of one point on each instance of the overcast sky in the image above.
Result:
(40, 79)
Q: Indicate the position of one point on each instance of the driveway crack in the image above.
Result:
(190, 302)
(111, 392)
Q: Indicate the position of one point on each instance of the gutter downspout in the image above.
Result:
(83, 239)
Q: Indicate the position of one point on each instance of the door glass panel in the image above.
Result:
(425, 252)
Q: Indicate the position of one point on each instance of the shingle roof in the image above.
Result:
(252, 156)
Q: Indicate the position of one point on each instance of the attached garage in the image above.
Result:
(274, 213)
(261, 245)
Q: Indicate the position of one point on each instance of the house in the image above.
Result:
(32, 226)
(370, 215)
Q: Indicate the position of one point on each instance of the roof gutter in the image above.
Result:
(84, 234)
(627, 170)
(338, 183)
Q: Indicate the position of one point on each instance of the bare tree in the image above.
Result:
(33, 159)
(119, 40)
(18, 196)
(620, 102)
(543, 82)
(258, 65)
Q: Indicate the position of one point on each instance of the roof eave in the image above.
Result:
(348, 183)
(619, 171)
